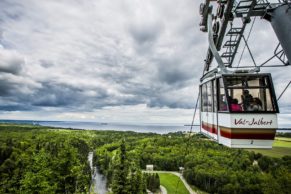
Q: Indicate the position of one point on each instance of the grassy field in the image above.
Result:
(284, 138)
(170, 182)
(281, 147)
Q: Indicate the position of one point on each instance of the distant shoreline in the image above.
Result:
(136, 127)
(142, 127)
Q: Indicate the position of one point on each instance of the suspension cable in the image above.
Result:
(249, 51)
(192, 124)
(196, 105)
(284, 91)
(190, 132)
(249, 34)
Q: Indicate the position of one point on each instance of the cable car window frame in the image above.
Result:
(209, 91)
(268, 86)
(214, 96)
(204, 103)
(218, 94)
(207, 96)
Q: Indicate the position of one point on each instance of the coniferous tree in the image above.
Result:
(153, 182)
(140, 182)
(144, 184)
(157, 179)
(120, 183)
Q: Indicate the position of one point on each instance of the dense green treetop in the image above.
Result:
(36, 159)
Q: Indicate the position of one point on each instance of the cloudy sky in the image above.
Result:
(106, 60)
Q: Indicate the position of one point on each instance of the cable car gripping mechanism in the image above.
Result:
(221, 69)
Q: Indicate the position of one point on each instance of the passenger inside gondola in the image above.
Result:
(255, 105)
(247, 98)
(259, 103)
(223, 104)
(235, 106)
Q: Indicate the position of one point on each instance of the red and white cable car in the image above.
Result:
(239, 110)
(238, 106)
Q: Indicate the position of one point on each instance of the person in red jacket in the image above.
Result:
(234, 106)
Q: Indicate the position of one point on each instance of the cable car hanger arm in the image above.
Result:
(212, 44)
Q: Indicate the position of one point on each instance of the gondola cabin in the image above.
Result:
(239, 110)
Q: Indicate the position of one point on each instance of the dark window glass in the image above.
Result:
(222, 102)
(214, 96)
(203, 98)
(209, 96)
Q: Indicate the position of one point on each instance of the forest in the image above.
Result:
(35, 159)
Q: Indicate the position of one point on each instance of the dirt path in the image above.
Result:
(163, 190)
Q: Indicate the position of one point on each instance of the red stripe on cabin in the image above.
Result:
(263, 136)
(240, 133)
(209, 127)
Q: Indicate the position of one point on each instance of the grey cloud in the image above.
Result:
(46, 63)
(10, 62)
(172, 71)
(161, 102)
(64, 95)
(172, 75)
(53, 95)
(19, 107)
(16, 86)
(144, 33)
(5, 90)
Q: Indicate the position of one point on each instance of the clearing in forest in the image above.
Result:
(172, 183)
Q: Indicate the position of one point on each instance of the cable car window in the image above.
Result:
(235, 101)
(209, 96)
(204, 98)
(270, 104)
(214, 96)
(254, 82)
(222, 102)
(250, 93)
(235, 82)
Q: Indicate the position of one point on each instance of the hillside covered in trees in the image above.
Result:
(47, 160)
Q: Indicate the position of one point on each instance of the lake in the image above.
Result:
(141, 127)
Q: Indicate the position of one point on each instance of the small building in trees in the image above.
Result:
(149, 167)
(181, 169)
